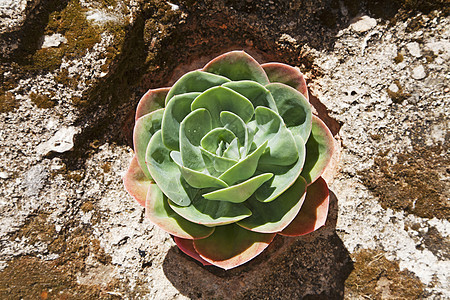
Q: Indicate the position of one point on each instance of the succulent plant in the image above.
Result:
(230, 156)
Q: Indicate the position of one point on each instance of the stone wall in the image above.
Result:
(73, 71)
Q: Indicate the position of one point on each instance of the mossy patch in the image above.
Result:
(71, 22)
(81, 36)
(375, 277)
(413, 183)
(87, 206)
(29, 277)
(399, 95)
(42, 101)
(7, 102)
(399, 58)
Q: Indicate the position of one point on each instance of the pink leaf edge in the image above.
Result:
(147, 101)
(292, 76)
(187, 246)
(135, 182)
(314, 211)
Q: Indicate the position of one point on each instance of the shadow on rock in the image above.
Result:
(311, 266)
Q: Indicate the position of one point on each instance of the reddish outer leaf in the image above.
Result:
(319, 150)
(237, 65)
(314, 211)
(136, 183)
(288, 75)
(187, 246)
(152, 100)
(230, 246)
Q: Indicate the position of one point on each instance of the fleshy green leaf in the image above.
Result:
(215, 164)
(319, 150)
(240, 192)
(187, 246)
(195, 81)
(166, 173)
(230, 246)
(192, 129)
(159, 212)
(136, 183)
(218, 99)
(152, 100)
(274, 216)
(245, 168)
(281, 143)
(194, 178)
(288, 75)
(212, 139)
(293, 108)
(284, 176)
(210, 212)
(237, 126)
(237, 65)
(314, 211)
(175, 112)
(144, 128)
(253, 91)
(232, 151)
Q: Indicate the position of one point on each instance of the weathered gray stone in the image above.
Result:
(68, 227)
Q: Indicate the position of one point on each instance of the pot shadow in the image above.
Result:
(307, 267)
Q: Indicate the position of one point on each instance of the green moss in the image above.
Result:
(80, 34)
(415, 24)
(28, 277)
(399, 58)
(429, 55)
(106, 167)
(399, 95)
(87, 206)
(63, 78)
(42, 101)
(108, 3)
(7, 102)
(375, 277)
(413, 183)
(75, 175)
(375, 137)
(36, 229)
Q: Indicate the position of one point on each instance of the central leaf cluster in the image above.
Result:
(224, 142)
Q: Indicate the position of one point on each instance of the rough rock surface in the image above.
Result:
(378, 71)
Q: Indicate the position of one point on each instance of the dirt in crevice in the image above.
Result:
(414, 183)
(375, 277)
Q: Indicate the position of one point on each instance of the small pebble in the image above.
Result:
(418, 72)
(363, 24)
(414, 49)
